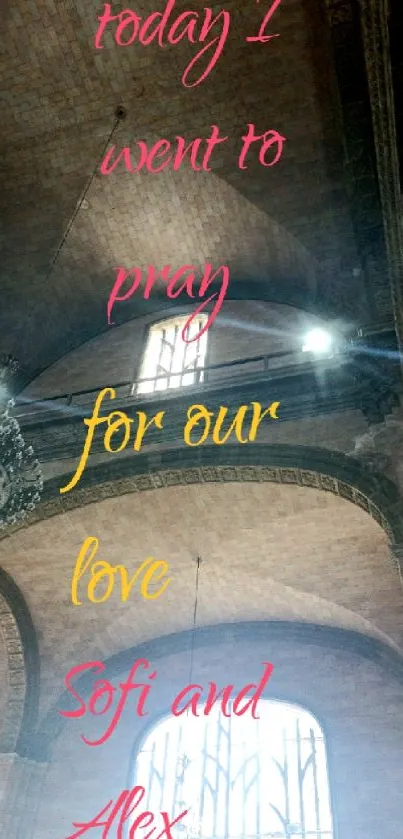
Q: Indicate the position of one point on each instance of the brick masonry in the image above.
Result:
(291, 576)
(272, 552)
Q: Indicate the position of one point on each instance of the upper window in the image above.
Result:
(238, 776)
(169, 361)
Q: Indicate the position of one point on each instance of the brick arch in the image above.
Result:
(19, 633)
(331, 638)
(303, 466)
(328, 471)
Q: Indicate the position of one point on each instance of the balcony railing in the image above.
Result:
(269, 367)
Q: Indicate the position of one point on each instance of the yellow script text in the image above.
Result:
(104, 575)
(199, 420)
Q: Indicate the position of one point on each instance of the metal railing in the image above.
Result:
(212, 376)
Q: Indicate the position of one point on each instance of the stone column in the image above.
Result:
(397, 552)
(374, 25)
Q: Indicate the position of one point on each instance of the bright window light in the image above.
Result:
(240, 778)
(170, 362)
(317, 341)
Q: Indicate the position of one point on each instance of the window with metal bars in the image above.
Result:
(240, 778)
(169, 361)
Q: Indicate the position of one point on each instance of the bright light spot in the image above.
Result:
(239, 777)
(317, 341)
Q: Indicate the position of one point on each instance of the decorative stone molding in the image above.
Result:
(202, 475)
(10, 724)
(397, 553)
(397, 550)
(300, 466)
(17, 629)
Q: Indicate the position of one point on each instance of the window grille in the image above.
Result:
(241, 778)
(169, 361)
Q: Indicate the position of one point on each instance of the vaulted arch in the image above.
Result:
(23, 677)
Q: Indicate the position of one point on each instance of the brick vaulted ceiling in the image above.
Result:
(256, 565)
(289, 233)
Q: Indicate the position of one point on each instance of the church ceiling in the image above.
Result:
(297, 232)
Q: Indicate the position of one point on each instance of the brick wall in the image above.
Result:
(281, 224)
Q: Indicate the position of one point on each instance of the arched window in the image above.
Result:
(240, 778)
(169, 361)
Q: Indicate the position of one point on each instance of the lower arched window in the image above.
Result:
(239, 777)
